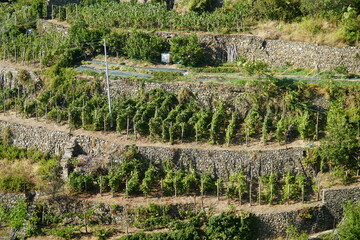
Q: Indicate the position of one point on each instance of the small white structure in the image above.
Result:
(165, 58)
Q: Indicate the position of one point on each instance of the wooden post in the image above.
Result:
(196, 133)
(161, 187)
(240, 195)
(202, 187)
(127, 127)
(134, 122)
(218, 190)
(85, 222)
(83, 114)
(271, 193)
(36, 111)
(302, 193)
(202, 204)
(195, 205)
(317, 126)
(288, 191)
(250, 187)
(101, 186)
(259, 194)
(175, 188)
(126, 189)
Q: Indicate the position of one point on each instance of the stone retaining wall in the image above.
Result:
(228, 47)
(311, 219)
(334, 199)
(218, 162)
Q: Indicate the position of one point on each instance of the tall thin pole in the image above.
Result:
(107, 84)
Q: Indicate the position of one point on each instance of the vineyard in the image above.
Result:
(60, 79)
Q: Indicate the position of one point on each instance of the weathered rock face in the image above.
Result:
(218, 162)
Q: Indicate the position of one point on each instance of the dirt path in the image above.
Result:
(142, 141)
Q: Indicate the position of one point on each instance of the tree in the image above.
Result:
(146, 46)
(340, 146)
(186, 50)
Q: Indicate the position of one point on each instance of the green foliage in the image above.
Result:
(186, 50)
(288, 186)
(131, 171)
(252, 121)
(151, 175)
(231, 226)
(341, 144)
(238, 186)
(81, 182)
(18, 214)
(153, 216)
(207, 183)
(293, 233)
(277, 9)
(217, 123)
(257, 67)
(67, 232)
(306, 126)
(269, 183)
(104, 233)
(351, 23)
(146, 46)
(230, 131)
(163, 76)
(200, 5)
(15, 182)
(349, 228)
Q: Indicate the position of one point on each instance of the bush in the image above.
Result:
(200, 5)
(186, 50)
(66, 232)
(145, 46)
(15, 182)
(231, 226)
(81, 182)
(349, 228)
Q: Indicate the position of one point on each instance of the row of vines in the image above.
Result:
(136, 175)
(275, 112)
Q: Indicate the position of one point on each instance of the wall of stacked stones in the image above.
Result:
(218, 162)
(311, 219)
(227, 47)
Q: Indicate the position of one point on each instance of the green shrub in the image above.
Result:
(67, 232)
(18, 214)
(349, 228)
(231, 226)
(186, 50)
(81, 182)
(145, 46)
(163, 76)
(200, 5)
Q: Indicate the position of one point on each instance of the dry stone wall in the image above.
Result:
(218, 162)
(229, 47)
(334, 199)
(311, 219)
(205, 93)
